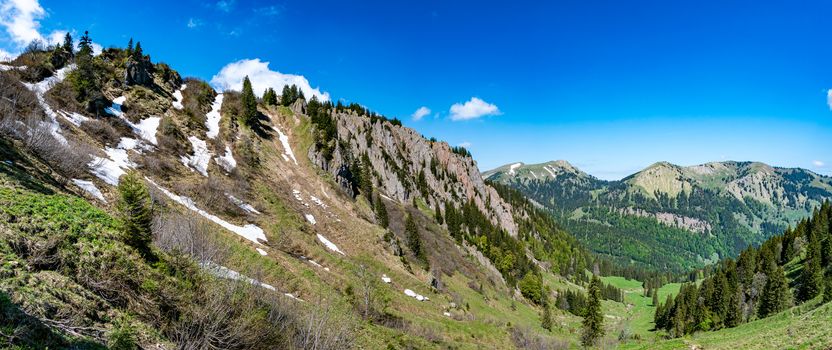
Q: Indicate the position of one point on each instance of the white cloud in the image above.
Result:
(818, 163)
(420, 113)
(21, 19)
(226, 5)
(473, 109)
(231, 77)
(6, 56)
(194, 22)
(829, 98)
(465, 144)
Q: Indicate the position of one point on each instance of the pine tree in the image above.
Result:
(83, 78)
(827, 288)
(776, 295)
(414, 242)
(365, 176)
(68, 46)
(286, 96)
(130, 46)
(546, 318)
(135, 215)
(249, 102)
(381, 212)
(811, 279)
(655, 298)
(270, 97)
(138, 55)
(593, 324)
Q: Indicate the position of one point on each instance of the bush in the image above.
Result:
(123, 336)
(101, 131)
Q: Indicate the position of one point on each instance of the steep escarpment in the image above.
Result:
(407, 166)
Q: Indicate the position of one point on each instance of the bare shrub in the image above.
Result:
(189, 235)
(524, 338)
(15, 99)
(159, 165)
(213, 192)
(321, 327)
(101, 131)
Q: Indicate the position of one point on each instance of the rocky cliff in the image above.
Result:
(400, 157)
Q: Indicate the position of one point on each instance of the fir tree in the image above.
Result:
(135, 215)
(249, 104)
(68, 46)
(811, 278)
(381, 212)
(546, 318)
(138, 55)
(593, 324)
(414, 241)
(776, 295)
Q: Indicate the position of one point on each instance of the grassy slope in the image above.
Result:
(801, 327)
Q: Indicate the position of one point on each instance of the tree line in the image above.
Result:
(757, 284)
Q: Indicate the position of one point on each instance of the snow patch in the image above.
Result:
(5, 67)
(250, 232)
(386, 279)
(551, 171)
(318, 201)
(287, 150)
(448, 314)
(331, 246)
(74, 118)
(212, 121)
(224, 272)
(243, 205)
(311, 219)
(199, 160)
(227, 161)
(415, 295)
(261, 251)
(146, 128)
(90, 188)
(117, 162)
(177, 95)
(40, 90)
(511, 170)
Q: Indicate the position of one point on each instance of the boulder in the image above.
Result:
(138, 72)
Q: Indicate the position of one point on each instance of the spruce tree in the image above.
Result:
(134, 213)
(138, 55)
(130, 46)
(438, 214)
(68, 46)
(249, 104)
(593, 324)
(381, 212)
(83, 78)
(655, 298)
(285, 96)
(776, 295)
(546, 318)
(414, 242)
(811, 279)
(827, 287)
(365, 178)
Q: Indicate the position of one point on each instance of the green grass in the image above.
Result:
(802, 327)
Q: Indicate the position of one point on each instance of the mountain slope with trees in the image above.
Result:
(669, 217)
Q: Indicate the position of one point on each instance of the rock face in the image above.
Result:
(400, 156)
(138, 72)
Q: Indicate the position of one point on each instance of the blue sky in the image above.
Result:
(610, 86)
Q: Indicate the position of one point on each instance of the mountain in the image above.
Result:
(141, 209)
(668, 216)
